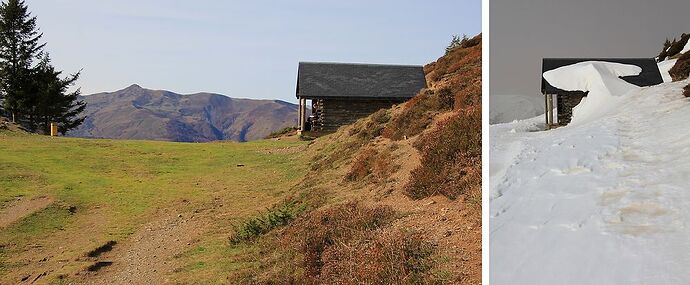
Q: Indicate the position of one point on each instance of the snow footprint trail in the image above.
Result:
(648, 209)
(544, 213)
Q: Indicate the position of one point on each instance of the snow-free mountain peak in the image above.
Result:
(139, 113)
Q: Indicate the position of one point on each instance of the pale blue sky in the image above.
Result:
(246, 49)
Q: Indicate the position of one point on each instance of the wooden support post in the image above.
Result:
(53, 129)
(554, 110)
(299, 114)
(550, 104)
(549, 111)
(546, 110)
(302, 113)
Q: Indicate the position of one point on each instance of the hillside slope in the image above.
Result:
(602, 200)
(138, 113)
(394, 198)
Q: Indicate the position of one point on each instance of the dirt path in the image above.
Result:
(147, 257)
(22, 208)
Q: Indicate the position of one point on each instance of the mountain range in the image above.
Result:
(139, 113)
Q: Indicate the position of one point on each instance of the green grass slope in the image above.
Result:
(106, 190)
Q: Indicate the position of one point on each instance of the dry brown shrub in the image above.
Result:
(380, 258)
(346, 244)
(371, 163)
(456, 75)
(678, 46)
(416, 115)
(681, 70)
(686, 91)
(451, 157)
(361, 165)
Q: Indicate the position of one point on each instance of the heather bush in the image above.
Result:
(419, 113)
(456, 75)
(380, 258)
(374, 126)
(370, 163)
(681, 70)
(346, 244)
(416, 116)
(362, 165)
(678, 46)
(468, 43)
(451, 158)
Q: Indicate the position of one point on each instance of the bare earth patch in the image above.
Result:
(22, 208)
(147, 257)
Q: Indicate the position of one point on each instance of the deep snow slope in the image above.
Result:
(605, 201)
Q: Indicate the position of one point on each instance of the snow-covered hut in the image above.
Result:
(562, 102)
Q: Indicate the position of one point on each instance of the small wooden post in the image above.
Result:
(303, 113)
(551, 123)
(546, 110)
(549, 111)
(53, 129)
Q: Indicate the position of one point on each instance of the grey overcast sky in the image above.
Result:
(522, 32)
(244, 49)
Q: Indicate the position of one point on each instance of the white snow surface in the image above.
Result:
(664, 67)
(605, 201)
(602, 81)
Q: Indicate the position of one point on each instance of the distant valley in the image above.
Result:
(139, 113)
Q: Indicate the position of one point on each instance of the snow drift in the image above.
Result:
(602, 81)
(602, 201)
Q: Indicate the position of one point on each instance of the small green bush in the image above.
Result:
(261, 224)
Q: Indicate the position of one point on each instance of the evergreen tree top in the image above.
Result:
(20, 34)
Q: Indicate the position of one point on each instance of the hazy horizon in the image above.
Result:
(240, 49)
(525, 31)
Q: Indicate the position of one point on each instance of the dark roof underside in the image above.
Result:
(372, 81)
(650, 71)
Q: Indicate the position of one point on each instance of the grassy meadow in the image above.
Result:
(104, 190)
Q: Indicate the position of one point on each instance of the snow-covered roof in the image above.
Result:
(351, 80)
(649, 76)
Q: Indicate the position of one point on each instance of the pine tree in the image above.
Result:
(19, 46)
(456, 42)
(53, 101)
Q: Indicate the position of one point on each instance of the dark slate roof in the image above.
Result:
(650, 71)
(349, 80)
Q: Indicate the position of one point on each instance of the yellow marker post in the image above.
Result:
(53, 129)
